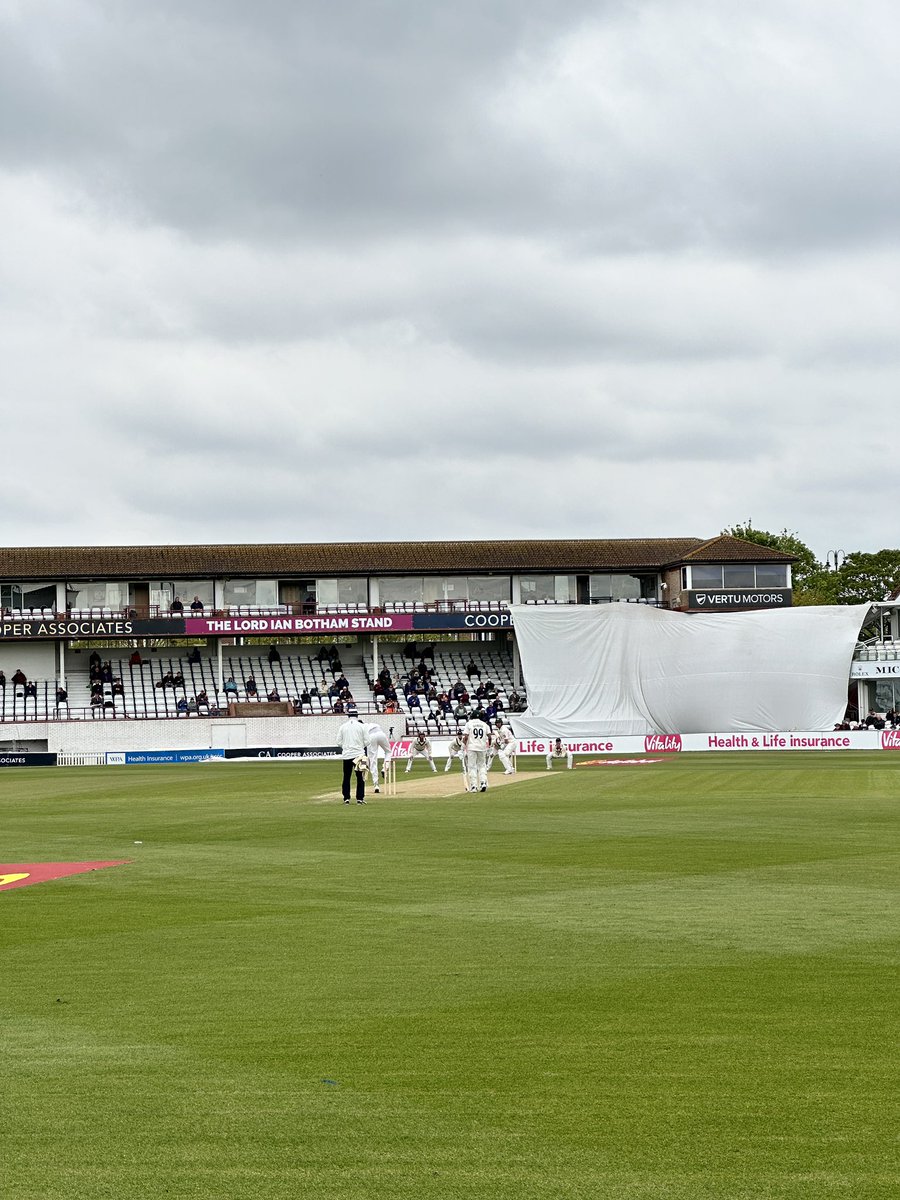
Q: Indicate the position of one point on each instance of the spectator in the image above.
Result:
(31, 690)
(197, 605)
(97, 688)
(413, 701)
(182, 705)
(106, 675)
(135, 660)
(458, 688)
(428, 652)
(2, 679)
(305, 699)
(94, 660)
(62, 697)
(461, 712)
(250, 686)
(274, 655)
(230, 686)
(96, 704)
(194, 656)
(177, 680)
(273, 696)
(471, 670)
(338, 706)
(202, 699)
(20, 678)
(117, 688)
(409, 650)
(193, 707)
(176, 606)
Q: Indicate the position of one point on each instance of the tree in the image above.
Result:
(813, 583)
(864, 576)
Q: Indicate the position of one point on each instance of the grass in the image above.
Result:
(673, 981)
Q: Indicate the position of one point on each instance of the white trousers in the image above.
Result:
(424, 754)
(476, 770)
(551, 756)
(378, 741)
(450, 757)
(507, 756)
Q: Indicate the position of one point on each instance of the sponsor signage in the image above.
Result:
(354, 623)
(874, 670)
(470, 620)
(667, 743)
(91, 628)
(13, 875)
(268, 752)
(132, 758)
(26, 759)
(264, 626)
(724, 601)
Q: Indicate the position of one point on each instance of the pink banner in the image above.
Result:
(263, 626)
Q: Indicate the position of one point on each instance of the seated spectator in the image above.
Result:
(384, 677)
(230, 686)
(94, 660)
(106, 673)
(413, 701)
(176, 606)
(391, 706)
(96, 671)
(342, 681)
(250, 686)
(273, 695)
(428, 651)
(194, 656)
(873, 721)
(135, 660)
(197, 605)
(471, 669)
(338, 706)
(31, 690)
(324, 654)
(480, 692)
(97, 702)
(177, 680)
(117, 688)
(297, 707)
(165, 681)
(193, 706)
(305, 698)
(182, 705)
(490, 689)
(336, 666)
(274, 655)
(20, 678)
(461, 712)
(458, 688)
(514, 701)
(491, 711)
(352, 710)
(97, 688)
(62, 696)
(409, 650)
(202, 699)
(377, 689)
(333, 692)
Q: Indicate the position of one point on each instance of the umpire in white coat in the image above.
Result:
(352, 740)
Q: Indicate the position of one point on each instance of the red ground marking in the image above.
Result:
(13, 875)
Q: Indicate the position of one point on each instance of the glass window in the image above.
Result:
(397, 589)
(353, 591)
(625, 587)
(187, 589)
(261, 592)
(740, 575)
(489, 587)
(99, 595)
(771, 575)
(445, 587)
(560, 589)
(703, 576)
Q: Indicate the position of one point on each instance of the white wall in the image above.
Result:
(37, 659)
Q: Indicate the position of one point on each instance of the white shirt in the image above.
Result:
(477, 735)
(352, 739)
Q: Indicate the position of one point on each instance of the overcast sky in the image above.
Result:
(399, 269)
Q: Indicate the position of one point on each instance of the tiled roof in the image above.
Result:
(725, 548)
(368, 558)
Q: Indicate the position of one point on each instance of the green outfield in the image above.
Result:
(667, 982)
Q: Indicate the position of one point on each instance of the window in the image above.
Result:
(489, 587)
(258, 592)
(397, 589)
(342, 591)
(739, 575)
(559, 589)
(28, 595)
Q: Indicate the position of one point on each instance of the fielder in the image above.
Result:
(376, 739)
(558, 750)
(455, 750)
(421, 744)
(476, 738)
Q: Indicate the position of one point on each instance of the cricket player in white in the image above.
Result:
(455, 750)
(558, 750)
(376, 739)
(420, 745)
(507, 745)
(476, 738)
